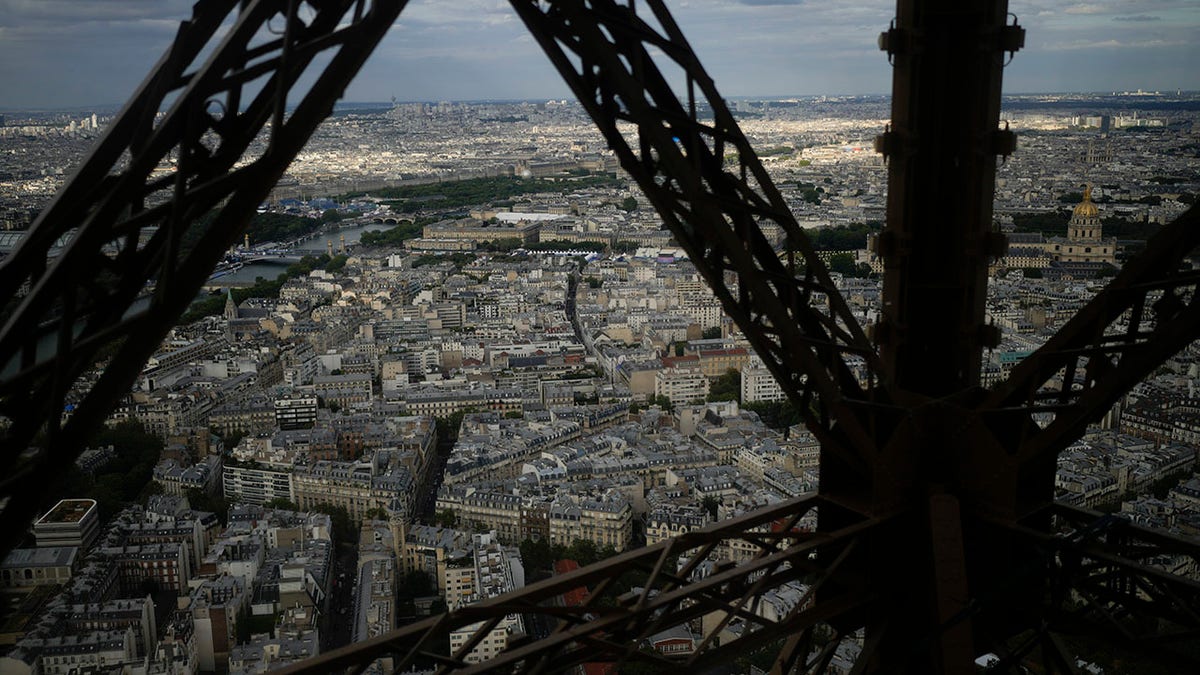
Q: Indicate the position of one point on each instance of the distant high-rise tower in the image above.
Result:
(1098, 153)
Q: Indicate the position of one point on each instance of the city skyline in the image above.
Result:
(59, 54)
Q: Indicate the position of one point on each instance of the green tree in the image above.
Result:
(448, 426)
(345, 530)
(775, 414)
(336, 263)
(231, 439)
(446, 518)
(843, 237)
(843, 263)
(1051, 223)
(122, 481)
(712, 333)
(505, 245)
(726, 387)
(629, 203)
(202, 501)
(663, 402)
(281, 503)
(474, 191)
(332, 216)
(583, 551)
(396, 236)
(377, 513)
(415, 584)
(537, 557)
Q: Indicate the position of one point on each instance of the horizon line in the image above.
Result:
(1133, 94)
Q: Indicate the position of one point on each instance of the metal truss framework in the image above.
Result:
(1146, 314)
(687, 153)
(957, 478)
(155, 206)
(645, 591)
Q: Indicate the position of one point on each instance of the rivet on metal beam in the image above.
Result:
(896, 40)
(1012, 37)
(884, 244)
(881, 332)
(1003, 142)
(996, 245)
(989, 336)
(887, 143)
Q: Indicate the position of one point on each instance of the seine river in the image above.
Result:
(316, 246)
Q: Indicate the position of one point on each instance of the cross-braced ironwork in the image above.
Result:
(937, 536)
(642, 592)
(1148, 312)
(154, 207)
(692, 161)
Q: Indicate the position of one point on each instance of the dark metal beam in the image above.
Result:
(1146, 314)
(59, 315)
(679, 153)
(943, 468)
(612, 627)
(947, 60)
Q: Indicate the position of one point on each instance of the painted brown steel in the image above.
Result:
(612, 632)
(891, 438)
(84, 296)
(1108, 356)
(601, 49)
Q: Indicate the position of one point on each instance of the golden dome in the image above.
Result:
(1085, 208)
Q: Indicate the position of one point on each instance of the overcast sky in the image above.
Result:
(77, 53)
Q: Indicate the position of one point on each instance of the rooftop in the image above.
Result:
(47, 556)
(68, 511)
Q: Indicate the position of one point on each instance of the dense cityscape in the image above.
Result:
(457, 352)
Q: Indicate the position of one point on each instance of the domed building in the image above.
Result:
(1085, 242)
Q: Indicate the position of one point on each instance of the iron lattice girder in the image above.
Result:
(1117, 570)
(164, 172)
(613, 629)
(784, 301)
(678, 157)
(1145, 315)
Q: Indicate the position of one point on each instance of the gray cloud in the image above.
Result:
(85, 52)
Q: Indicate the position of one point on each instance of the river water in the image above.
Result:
(246, 275)
(316, 246)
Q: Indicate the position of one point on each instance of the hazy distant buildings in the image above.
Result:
(480, 231)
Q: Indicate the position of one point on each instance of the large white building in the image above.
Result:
(758, 384)
(496, 570)
(681, 385)
(72, 522)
